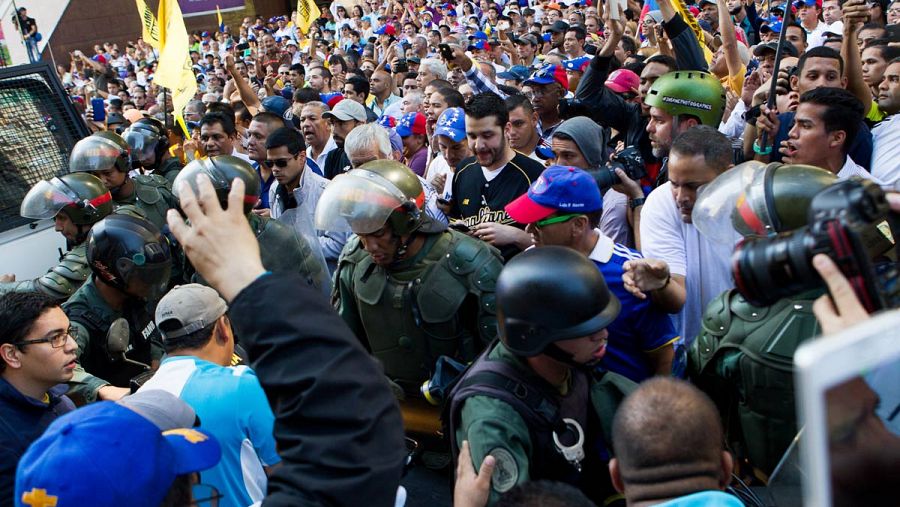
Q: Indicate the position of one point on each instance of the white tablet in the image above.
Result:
(848, 402)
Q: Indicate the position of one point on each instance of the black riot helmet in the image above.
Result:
(551, 294)
(148, 140)
(131, 255)
(221, 170)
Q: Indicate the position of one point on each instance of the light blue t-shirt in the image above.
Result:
(232, 406)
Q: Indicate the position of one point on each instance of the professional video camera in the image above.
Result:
(851, 222)
(628, 160)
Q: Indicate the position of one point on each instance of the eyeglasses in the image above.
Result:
(56, 341)
(281, 162)
(556, 220)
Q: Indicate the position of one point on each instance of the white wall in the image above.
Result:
(46, 13)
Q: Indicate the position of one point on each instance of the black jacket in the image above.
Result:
(337, 425)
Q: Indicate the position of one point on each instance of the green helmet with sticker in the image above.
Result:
(690, 92)
(100, 151)
(375, 194)
(221, 170)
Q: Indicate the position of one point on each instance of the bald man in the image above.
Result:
(667, 439)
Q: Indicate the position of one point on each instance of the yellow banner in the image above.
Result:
(307, 14)
(174, 70)
(149, 25)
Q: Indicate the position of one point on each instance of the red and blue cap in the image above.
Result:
(411, 123)
(558, 189)
(577, 64)
(387, 29)
(71, 463)
(452, 124)
(479, 45)
(549, 74)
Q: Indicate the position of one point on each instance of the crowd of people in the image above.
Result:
(529, 237)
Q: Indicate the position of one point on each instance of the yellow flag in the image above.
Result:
(219, 18)
(174, 70)
(307, 13)
(150, 27)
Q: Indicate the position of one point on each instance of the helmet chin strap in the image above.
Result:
(554, 352)
(402, 246)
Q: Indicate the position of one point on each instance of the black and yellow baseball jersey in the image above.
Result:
(477, 201)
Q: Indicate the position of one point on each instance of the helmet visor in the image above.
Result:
(94, 154)
(358, 202)
(719, 201)
(46, 199)
(146, 274)
(143, 145)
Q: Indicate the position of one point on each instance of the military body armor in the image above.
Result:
(153, 196)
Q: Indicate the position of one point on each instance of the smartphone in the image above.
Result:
(244, 46)
(98, 109)
(446, 51)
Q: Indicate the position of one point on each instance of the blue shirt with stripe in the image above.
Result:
(640, 327)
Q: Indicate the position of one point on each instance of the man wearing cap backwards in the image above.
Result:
(154, 463)
(345, 116)
(563, 207)
(409, 288)
(37, 357)
(556, 425)
(199, 345)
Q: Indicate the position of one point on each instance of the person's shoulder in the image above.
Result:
(530, 167)
(658, 198)
(467, 166)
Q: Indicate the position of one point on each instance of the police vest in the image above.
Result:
(412, 316)
(743, 359)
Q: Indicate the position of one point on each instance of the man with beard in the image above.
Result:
(106, 155)
(485, 184)
(345, 116)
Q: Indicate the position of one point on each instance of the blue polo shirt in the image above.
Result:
(640, 327)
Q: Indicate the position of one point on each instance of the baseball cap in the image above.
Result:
(71, 463)
(623, 81)
(805, 3)
(452, 124)
(655, 15)
(479, 45)
(527, 39)
(386, 30)
(558, 26)
(162, 408)
(576, 64)
(553, 6)
(772, 46)
(204, 34)
(290, 42)
(549, 74)
(347, 110)
(558, 188)
(387, 121)
(479, 35)
(276, 104)
(710, 2)
(771, 27)
(515, 73)
(411, 123)
(192, 307)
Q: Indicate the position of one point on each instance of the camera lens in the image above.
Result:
(605, 178)
(766, 271)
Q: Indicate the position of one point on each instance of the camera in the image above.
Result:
(850, 222)
(628, 160)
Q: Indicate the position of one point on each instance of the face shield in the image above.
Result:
(359, 201)
(146, 275)
(94, 153)
(47, 198)
(143, 145)
(734, 201)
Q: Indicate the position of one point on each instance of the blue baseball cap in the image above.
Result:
(387, 121)
(105, 454)
(559, 188)
(771, 27)
(576, 64)
(479, 45)
(515, 73)
(549, 74)
(479, 35)
(452, 124)
(805, 3)
(411, 123)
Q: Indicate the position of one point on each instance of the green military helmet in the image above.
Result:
(757, 199)
(221, 170)
(99, 152)
(148, 140)
(363, 200)
(689, 92)
(551, 294)
(81, 196)
(130, 254)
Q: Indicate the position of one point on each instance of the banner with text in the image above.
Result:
(202, 7)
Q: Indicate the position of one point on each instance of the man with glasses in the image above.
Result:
(563, 207)
(37, 358)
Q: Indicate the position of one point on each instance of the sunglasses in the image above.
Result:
(280, 162)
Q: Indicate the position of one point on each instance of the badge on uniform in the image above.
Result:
(506, 471)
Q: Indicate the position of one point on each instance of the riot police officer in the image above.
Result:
(281, 248)
(130, 263)
(108, 156)
(149, 144)
(76, 202)
(409, 288)
(743, 357)
(532, 401)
